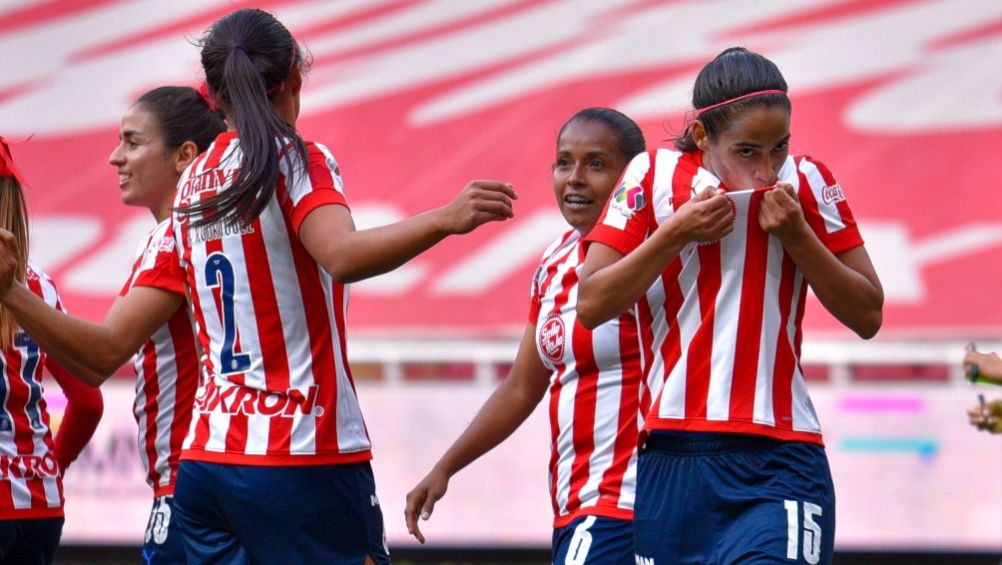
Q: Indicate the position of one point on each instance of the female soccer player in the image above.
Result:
(160, 135)
(719, 246)
(276, 465)
(593, 376)
(32, 463)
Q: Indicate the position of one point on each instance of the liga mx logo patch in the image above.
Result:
(629, 199)
(551, 338)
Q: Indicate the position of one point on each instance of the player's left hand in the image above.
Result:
(780, 213)
(422, 498)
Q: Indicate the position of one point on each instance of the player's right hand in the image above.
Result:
(421, 501)
(8, 260)
(479, 202)
(705, 218)
(989, 364)
(988, 417)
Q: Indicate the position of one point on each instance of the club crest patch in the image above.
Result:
(628, 198)
(551, 338)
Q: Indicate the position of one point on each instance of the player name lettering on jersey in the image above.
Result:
(232, 399)
(28, 466)
(218, 230)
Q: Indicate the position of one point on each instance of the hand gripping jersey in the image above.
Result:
(594, 393)
(722, 324)
(166, 365)
(31, 484)
(276, 388)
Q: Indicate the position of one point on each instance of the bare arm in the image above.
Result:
(611, 282)
(329, 234)
(846, 283)
(510, 404)
(93, 351)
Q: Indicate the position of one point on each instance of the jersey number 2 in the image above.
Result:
(219, 273)
(812, 531)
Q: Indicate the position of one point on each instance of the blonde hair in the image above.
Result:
(14, 218)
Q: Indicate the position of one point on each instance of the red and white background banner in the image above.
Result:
(901, 99)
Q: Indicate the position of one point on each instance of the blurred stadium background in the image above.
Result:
(901, 99)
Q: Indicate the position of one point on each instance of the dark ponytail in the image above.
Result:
(629, 138)
(733, 73)
(247, 57)
(183, 115)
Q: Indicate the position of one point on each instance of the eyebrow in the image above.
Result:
(588, 154)
(757, 146)
(131, 133)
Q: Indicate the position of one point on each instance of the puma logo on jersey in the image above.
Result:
(832, 194)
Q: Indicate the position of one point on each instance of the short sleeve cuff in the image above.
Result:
(314, 200)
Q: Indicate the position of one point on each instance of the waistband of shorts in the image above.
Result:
(699, 443)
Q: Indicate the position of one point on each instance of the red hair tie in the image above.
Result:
(203, 89)
(7, 168)
(701, 111)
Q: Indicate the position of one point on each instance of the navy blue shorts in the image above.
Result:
(250, 514)
(726, 498)
(30, 541)
(594, 540)
(164, 542)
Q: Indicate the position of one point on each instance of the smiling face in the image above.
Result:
(589, 162)
(147, 173)
(750, 152)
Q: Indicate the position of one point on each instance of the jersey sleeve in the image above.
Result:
(160, 265)
(628, 214)
(84, 408)
(825, 207)
(320, 186)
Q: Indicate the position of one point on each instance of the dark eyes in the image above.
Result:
(594, 163)
(750, 152)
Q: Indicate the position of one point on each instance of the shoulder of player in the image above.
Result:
(569, 237)
(39, 281)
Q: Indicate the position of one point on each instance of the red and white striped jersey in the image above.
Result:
(276, 387)
(166, 365)
(722, 326)
(31, 484)
(594, 404)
